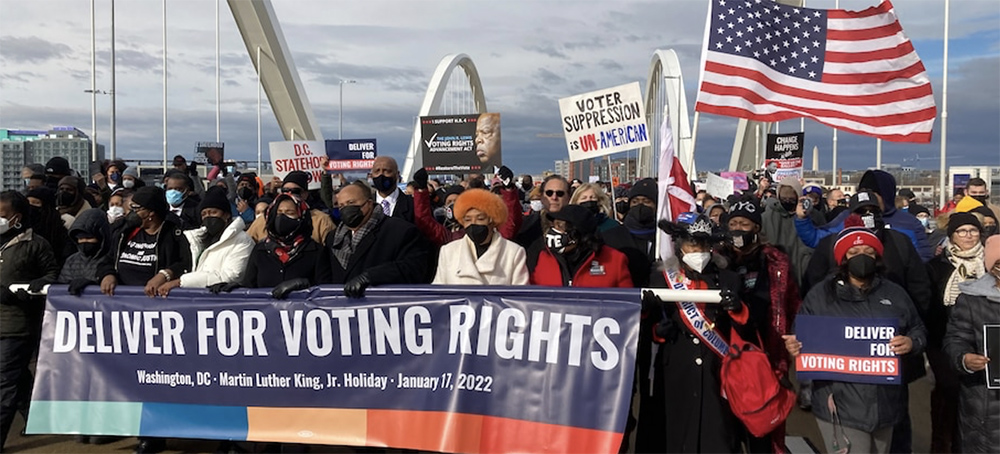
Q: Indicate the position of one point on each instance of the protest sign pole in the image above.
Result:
(944, 111)
(613, 209)
(878, 154)
(258, 111)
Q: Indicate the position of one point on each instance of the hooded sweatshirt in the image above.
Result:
(985, 286)
(91, 223)
(778, 225)
(884, 184)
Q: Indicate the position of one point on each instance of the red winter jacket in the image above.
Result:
(611, 270)
(423, 217)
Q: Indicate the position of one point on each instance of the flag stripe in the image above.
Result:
(860, 24)
(862, 57)
(881, 8)
(733, 65)
(872, 66)
(911, 71)
(751, 99)
(861, 35)
(912, 137)
(867, 45)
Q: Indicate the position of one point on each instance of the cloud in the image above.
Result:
(31, 49)
(549, 77)
(546, 49)
(610, 65)
(132, 59)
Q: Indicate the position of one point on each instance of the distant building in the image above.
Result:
(19, 148)
(563, 168)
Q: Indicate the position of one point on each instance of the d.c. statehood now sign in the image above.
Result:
(431, 368)
(603, 122)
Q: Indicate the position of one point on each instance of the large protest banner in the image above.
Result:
(211, 153)
(847, 349)
(308, 156)
(991, 350)
(603, 122)
(351, 154)
(453, 369)
(461, 143)
(784, 155)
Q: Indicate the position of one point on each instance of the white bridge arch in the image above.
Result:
(665, 95)
(432, 104)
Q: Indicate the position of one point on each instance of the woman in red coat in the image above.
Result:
(575, 256)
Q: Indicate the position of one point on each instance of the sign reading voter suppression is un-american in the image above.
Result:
(452, 369)
(603, 122)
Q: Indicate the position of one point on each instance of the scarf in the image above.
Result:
(285, 251)
(968, 266)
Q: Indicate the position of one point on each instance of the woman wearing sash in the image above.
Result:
(769, 291)
(682, 407)
(859, 417)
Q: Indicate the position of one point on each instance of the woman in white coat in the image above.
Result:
(482, 256)
(220, 248)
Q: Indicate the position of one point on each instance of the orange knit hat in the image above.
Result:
(482, 200)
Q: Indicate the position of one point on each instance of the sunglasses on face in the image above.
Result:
(296, 191)
(550, 193)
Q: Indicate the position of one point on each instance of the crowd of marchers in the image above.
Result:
(776, 251)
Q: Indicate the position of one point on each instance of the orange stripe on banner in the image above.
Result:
(504, 435)
(815, 362)
(328, 426)
(425, 430)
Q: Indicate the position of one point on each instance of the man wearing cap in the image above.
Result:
(385, 180)
(219, 248)
(778, 225)
(55, 169)
(835, 204)
(883, 186)
(640, 220)
(296, 183)
(815, 194)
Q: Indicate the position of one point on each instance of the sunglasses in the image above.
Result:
(550, 193)
(135, 207)
(296, 191)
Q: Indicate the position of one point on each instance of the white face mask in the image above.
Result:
(536, 205)
(115, 212)
(697, 260)
(4, 225)
(129, 184)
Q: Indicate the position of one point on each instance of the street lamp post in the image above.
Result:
(94, 94)
(340, 135)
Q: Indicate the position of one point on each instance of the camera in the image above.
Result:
(807, 203)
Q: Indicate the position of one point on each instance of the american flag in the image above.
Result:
(852, 70)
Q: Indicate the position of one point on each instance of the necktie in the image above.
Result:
(385, 207)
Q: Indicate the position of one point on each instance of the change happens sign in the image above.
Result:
(784, 155)
(604, 121)
(847, 349)
(308, 156)
(460, 143)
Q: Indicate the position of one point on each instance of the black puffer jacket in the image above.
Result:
(24, 257)
(93, 223)
(864, 406)
(979, 407)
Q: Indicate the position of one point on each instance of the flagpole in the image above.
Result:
(613, 209)
(218, 91)
(944, 110)
(164, 86)
(835, 178)
(878, 154)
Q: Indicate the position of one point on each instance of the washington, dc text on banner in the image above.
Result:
(452, 369)
(847, 349)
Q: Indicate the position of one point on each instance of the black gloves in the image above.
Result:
(77, 285)
(730, 300)
(37, 285)
(223, 287)
(355, 288)
(420, 179)
(282, 290)
(650, 301)
(506, 177)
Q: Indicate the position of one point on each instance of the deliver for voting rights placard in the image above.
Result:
(847, 349)
(461, 143)
(991, 337)
(428, 368)
(603, 122)
(308, 156)
(784, 155)
(350, 154)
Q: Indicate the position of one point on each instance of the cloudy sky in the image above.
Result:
(528, 53)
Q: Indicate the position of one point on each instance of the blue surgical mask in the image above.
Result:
(175, 197)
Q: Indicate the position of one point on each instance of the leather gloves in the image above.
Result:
(420, 179)
(730, 300)
(282, 290)
(37, 285)
(224, 287)
(355, 288)
(77, 285)
(506, 177)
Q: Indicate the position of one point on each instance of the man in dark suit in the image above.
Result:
(369, 248)
(389, 199)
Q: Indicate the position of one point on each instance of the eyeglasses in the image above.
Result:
(135, 207)
(967, 232)
(296, 191)
(550, 193)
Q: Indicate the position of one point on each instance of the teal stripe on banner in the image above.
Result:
(91, 418)
(194, 421)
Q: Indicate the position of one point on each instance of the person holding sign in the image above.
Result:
(482, 256)
(860, 417)
(971, 347)
(440, 234)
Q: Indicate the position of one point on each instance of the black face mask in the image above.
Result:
(789, 204)
(247, 194)
(65, 198)
(285, 226)
(527, 187)
(352, 216)
(477, 233)
(989, 231)
(89, 249)
(642, 215)
(861, 266)
(622, 207)
(557, 241)
(133, 219)
(981, 198)
(214, 225)
(743, 238)
(383, 183)
(592, 206)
